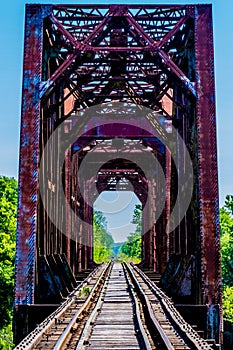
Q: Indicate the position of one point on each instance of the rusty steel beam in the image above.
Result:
(208, 168)
(150, 44)
(26, 250)
(171, 33)
(157, 56)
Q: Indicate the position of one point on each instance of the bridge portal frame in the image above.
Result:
(203, 88)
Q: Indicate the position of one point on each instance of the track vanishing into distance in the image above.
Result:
(123, 309)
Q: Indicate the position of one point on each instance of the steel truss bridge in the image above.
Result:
(118, 97)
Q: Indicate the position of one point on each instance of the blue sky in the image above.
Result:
(11, 38)
(118, 221)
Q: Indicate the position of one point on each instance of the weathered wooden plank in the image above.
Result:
(114, 327)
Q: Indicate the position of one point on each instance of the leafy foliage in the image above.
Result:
(8, 205)
(84, 292)
(103, 241)
(229, 204)
(8, 208)
(228, 304)
(226, 237)
(6, 338)
(226, 224)
(132, 248)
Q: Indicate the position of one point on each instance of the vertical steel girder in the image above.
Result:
(77, 56)
(29, 155)
(207, 152)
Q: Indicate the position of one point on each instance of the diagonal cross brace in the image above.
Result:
(78, 46)
(156, 46)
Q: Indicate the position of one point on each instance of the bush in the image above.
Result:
(227, 302)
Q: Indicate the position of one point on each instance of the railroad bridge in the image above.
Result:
(118, 97)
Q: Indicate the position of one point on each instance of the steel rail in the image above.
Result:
(137, 311)
(153, 320)
(88, 326)
(87, 329)
(71, 324)
(186, 332)
(32, 339)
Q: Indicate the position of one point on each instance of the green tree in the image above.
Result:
(8, 209)
(229, 203)
(6, 338)
(226, 239)
(227, 301)
(132, 248)
(103, 241)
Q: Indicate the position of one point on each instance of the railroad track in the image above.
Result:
(76, 307)
(167, 327)
(116, 321)
(124, 311)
